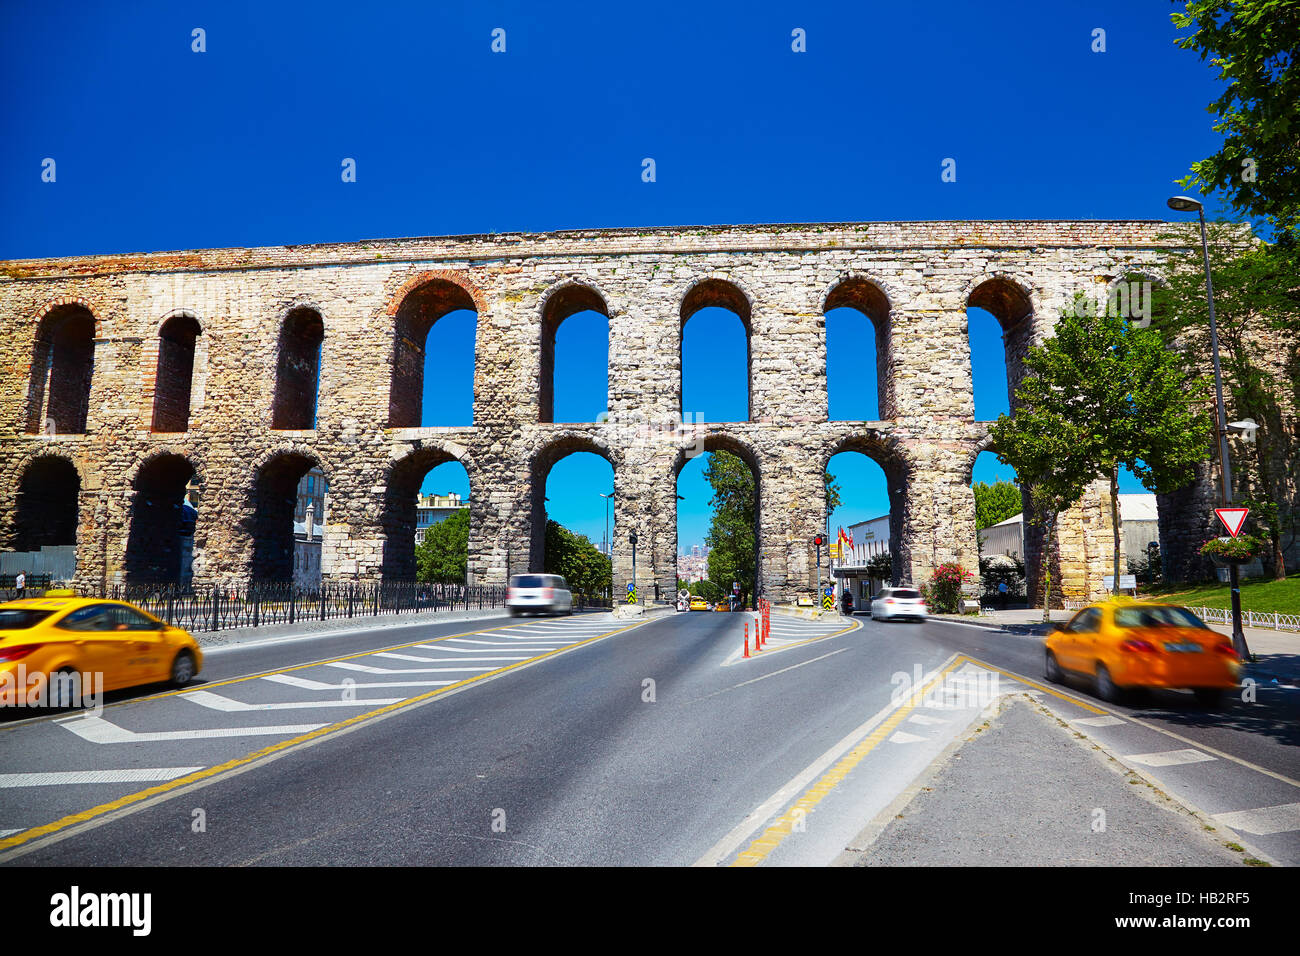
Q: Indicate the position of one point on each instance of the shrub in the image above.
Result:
(943, 591)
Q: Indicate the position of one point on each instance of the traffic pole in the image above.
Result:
(746, 640)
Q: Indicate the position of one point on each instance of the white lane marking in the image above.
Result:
(97, 730)
(349, 632)
(205, 698)
(1169, 758)
(903, 737)
(1106, 721)
(58, 778)
(497, 648)
(925, 720)
(5, 833)
(305, 684)
(1263, 820)
(429, 660)
(725, 847)
(366, 669)
(459, 640)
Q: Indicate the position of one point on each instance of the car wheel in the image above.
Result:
(1051, 668)
(183, 670)
(1208, 697)
(1106, 688)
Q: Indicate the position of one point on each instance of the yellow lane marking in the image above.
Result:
(1068, 698)
(284, 670)
(773, 836)
(209, 773)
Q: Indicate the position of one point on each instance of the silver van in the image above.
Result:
(538, 594)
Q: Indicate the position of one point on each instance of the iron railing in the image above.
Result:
(1223, 616)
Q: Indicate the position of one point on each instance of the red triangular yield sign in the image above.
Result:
(1232, 518)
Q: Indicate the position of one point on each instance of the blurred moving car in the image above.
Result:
(538, 594)
(1122, 645)
(65, 635)
(893, 603)
(699, 604)
(723, 605)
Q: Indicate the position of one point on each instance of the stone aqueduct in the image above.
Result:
(126, 375)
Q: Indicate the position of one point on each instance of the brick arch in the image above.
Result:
(1015, 304)
(57, 303)
(62, 367)
(271, 498)
(157, 519)
(49, 493)
(402, 479)
(179, 356)
(542, 459)
(896, 463)
(415, 309)
(717, 290)
(870, 297)
(563, 299)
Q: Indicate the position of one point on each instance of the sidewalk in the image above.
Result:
(1022, 790)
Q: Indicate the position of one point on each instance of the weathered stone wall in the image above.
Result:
(377, 300)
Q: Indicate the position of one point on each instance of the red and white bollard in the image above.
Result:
(746, 640)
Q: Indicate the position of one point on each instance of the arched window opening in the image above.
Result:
(284, 489)
(174, 375)
(577, 524)
(46, 511)
(857, 329)
(575, 351)
(999, 325)
(63, 364)
(433, 368)
(427, 520)
(715, 353)
(718, 521)
(864, 526)
(297, 377)
(160, 539)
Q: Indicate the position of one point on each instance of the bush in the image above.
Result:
(943, 592)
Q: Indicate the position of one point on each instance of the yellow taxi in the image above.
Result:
(723, 605)
(1125, 645)
(105, 645)
(699, 604)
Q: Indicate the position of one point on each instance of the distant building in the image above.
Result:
(308, 520)
(870, 538)
(1138, 525)
(432, 509)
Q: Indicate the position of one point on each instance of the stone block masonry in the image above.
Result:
(95, 423)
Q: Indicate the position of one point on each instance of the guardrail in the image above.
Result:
(1223, 616)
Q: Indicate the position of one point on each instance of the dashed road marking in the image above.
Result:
(57, 778)
(1106, 721)
(228, 705)
(367, 669)
(304, 683)
(1169, 758)
(903, 737)
(97, 730)
(1263, 820)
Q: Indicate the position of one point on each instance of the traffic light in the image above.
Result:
(819, 540)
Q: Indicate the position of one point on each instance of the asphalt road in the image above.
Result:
(652, 745)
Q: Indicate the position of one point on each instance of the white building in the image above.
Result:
(1139, 529)
(870, 538)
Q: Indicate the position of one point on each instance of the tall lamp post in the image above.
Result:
(1187, 204)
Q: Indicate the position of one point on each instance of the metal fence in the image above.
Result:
(216, 608)
(1223, 616)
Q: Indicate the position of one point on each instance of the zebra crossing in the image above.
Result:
(59, 771)
(787, 631)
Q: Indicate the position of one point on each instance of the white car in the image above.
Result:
(893, 603)
(538, 594)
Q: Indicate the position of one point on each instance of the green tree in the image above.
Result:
(574, 557)
(1253, 45)
(731, 534)
(706, 589)
(1121, 397)
(996, 502)
(1256, 302)
(832, 492)
(881, 566)
(442, 556)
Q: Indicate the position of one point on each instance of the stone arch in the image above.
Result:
(718, 290)
(63, 363)
(721, 440)
(540, 463)
(424, 299)
(47, 504)
(297, 368)
(869, 297)
(1013, 304)
(178, 341)
(1128, 292)
(161, 519)
(562, 300)
(272, 492)
(887, 452)
(402, 482)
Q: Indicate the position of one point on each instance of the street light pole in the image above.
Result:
(606, 542)
(1187, 204)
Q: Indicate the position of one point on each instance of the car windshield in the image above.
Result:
(20, 619)
(528, 581)
(1157, 617)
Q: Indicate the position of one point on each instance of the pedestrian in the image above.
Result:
(20, 584)
(1002, 593)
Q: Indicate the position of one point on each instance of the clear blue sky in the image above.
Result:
(158, 147)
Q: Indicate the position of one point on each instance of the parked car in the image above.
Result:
(65, 635)
(1123, 645)
(538, 594)
(893, 603)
